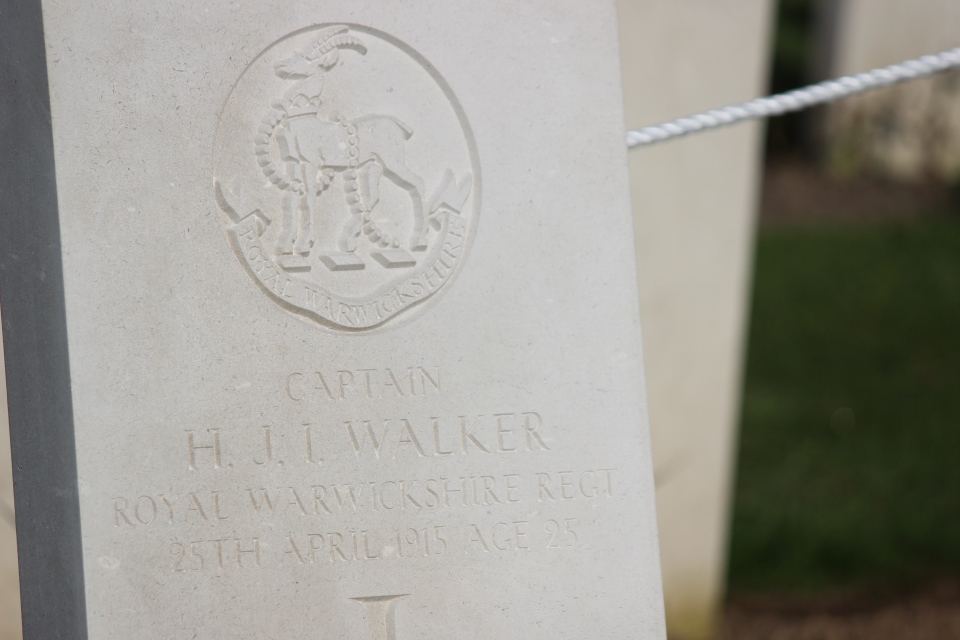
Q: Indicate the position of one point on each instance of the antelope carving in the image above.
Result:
(313, 149)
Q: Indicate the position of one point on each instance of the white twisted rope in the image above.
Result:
(797, 99)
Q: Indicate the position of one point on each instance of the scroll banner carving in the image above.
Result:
(290, 288)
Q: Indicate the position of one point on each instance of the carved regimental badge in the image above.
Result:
(347, 176)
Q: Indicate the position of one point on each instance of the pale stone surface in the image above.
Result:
(256, 458)
(9, 575)
(909, 131)
(694, 203)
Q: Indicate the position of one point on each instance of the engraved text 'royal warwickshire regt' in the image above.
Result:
(350, 191)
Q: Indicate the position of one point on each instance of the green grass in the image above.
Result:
(849, 463)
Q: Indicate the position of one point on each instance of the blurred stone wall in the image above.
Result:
(694, 204)
(907, 132)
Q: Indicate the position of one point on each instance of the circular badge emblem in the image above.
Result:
(347, 176)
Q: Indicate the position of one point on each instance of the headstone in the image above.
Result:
(910, 131)
(326, 325)
(694, 213)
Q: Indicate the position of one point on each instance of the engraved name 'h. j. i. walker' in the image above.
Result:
(374, 211)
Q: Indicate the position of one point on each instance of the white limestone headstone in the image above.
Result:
(347, 340)
(909, 131)
(694, 212)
